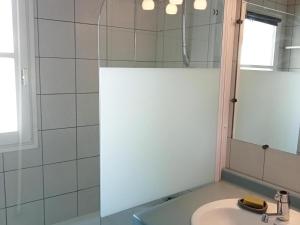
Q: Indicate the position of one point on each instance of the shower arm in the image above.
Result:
(185, 56)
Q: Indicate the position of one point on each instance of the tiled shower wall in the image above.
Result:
(204, 36)
(60, 179)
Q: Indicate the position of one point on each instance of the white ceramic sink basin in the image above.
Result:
(226, 212)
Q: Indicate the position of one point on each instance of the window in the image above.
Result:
(259, 41)
(18, 123)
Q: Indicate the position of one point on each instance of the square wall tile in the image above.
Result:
(87, 11)
(146, 19)
(56, 39)
(172, 50)
(60, 208)
(87, 76)
(87, 109)
(145, 45)
(2, 193)
(31, 185)
(215, 42)
(56, 9)
(57, 75)
(36, 38)
(30, 157)
(121, 13)
(120, 44)
(88, 141)
(199, 43)
(37, 75)
(38, 111)
(88, 172)
(173, 21)
(3, 216)
(88, 201)
(247, 158)
(1, 162)
(30, 214)
(60, 178)
(59, 145)
(86, 41)
(58, 111)
(282, 169)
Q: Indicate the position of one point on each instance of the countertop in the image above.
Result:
(179, 211)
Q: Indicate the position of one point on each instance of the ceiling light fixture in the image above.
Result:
(171, 9)
(200, 4)
(148, 5)
(176, 2)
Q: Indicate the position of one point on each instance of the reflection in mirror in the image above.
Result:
(268, 84)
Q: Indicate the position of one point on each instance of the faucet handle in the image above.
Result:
(282, 196)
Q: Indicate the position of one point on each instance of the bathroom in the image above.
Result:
(157, 112)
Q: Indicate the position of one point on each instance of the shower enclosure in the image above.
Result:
(159, 93)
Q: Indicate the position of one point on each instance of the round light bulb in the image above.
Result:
(171, 9)
(200, 4)
(148, 5)
(176, 2)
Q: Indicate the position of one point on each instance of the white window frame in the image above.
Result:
(24, 55)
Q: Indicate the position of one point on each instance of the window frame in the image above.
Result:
(269, 20)
(24, 55)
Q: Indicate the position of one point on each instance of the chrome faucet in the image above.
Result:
(283, 208)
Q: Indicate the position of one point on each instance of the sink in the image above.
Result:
(227, 212)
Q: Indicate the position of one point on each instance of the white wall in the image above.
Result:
(158, 133)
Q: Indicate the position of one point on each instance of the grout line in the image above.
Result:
(61, 128)
(93, 24)
(51, 164)
(76, 115)
(4, 184)
(41, 118)
(54, 196)
(74, 93)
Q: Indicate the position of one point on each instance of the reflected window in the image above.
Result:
(259, 42)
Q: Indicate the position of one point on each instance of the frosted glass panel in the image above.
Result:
(158, 133)
(268, 109)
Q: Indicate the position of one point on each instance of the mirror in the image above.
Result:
(267, 111)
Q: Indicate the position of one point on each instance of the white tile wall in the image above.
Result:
(120, 43)
(60, 208)
(88, 141)
(86, 170)
(67, 87)
(145, 40)
(86, 40)
(145, 20)
(87, 78)
(56, 39)
(2, 193)
(56, 9)
(121, 13)
(30, 214)
(57, 75)
(60, 178)
(30, 158)
(1, 163)
(59, 145)
(87, 109)
(58, 111)
(3, 216)
(87, 11)
(88, 201)
(31, 185)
